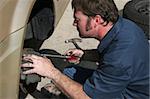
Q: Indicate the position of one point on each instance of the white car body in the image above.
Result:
(14, 15)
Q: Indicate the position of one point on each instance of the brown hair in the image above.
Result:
(105, 8)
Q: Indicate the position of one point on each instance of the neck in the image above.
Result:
(103, 30)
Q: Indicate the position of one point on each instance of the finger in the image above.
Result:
(35, 56)
(31, 57)
(27, 65)
(78, 53)
(27, 59)
(69, 52)
(30, 71)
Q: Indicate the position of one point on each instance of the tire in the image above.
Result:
(138, 12)
(28, 83)
(24, 89)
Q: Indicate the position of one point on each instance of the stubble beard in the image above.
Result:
(88, 24)
(87, 28)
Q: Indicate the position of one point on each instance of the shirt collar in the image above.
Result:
(110, 35)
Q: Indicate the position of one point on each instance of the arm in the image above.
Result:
(71, 88)
(44, 67)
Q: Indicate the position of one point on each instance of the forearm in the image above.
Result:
(69, 87)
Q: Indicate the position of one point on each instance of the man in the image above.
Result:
(123, 71)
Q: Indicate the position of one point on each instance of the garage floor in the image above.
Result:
(64, 31)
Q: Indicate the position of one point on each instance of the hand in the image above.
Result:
(75, 54)
(40, 65)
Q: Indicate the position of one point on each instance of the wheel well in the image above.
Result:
(40, 24)
(39, 5)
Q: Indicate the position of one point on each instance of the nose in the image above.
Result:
(74, 23)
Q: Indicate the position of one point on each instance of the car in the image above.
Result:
(17, 21)
(14, 20)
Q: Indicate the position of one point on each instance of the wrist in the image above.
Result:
(54, 74)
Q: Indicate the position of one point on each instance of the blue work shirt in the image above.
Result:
(124, 66)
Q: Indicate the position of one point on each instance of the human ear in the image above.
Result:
(98, 19)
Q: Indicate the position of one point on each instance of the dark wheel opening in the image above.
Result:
(40, 27)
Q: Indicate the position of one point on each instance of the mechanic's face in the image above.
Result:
(84, 24)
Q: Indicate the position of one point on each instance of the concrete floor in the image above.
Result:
(64, 31)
